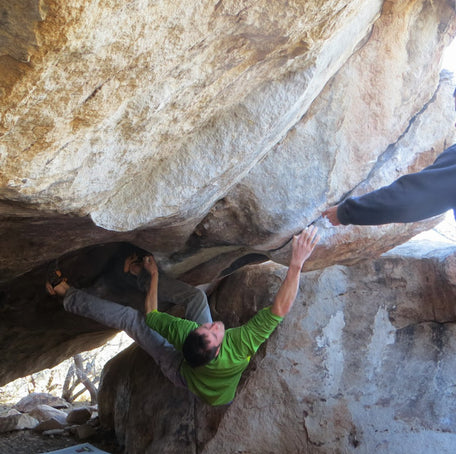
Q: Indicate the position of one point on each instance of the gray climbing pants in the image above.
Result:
(133, 322)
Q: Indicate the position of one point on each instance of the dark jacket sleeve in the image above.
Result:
(410, 198)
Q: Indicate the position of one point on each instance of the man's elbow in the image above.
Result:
(280, 311)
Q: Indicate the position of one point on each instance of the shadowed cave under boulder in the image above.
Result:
(36, 331)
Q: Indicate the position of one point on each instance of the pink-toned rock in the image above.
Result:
(45, 412)
(33, 400)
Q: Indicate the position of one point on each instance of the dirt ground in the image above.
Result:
(29, 442)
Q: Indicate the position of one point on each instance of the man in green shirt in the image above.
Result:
(195, 352)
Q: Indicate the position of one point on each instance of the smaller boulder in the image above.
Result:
(49, 424)
(26, 422)
(85, 431)
(8, 423)
(79, 416)
(34, 399)
(45, 412)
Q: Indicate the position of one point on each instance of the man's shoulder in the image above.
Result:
(263, 317)
(266, 314)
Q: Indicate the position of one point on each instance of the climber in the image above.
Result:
(194, 353)
(410, 198)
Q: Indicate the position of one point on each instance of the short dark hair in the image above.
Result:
(196, 351)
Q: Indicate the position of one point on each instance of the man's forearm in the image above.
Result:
(151, 303)
(287, 293)
(302, 246)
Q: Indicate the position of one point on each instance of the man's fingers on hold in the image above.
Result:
(312, 233)
(315, 236)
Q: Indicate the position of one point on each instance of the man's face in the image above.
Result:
(214, 332)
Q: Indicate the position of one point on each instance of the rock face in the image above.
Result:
(364, 363)
(207, 133)
(128, 100)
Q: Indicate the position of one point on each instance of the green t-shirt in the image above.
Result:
(216, 382)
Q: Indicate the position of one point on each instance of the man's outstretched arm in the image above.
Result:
(302, 246)
(411, 198)
(151, 303)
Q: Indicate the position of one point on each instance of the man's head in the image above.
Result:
(203, 344)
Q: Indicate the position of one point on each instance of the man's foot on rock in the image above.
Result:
(56, 284)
